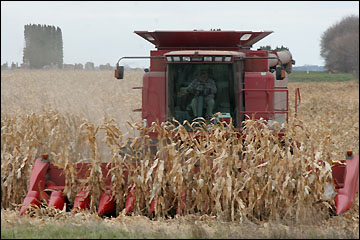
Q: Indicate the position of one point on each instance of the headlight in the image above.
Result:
(207, 59)
(197, 59)
(227, 59)
(149, 37)
(218, 59)
(169, 59)
(186, 59)
(176, 59)
(245, 37)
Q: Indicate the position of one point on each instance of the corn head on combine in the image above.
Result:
(248, 83)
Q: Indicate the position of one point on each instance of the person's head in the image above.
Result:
(204, 75)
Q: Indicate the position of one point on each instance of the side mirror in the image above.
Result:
(280, 72)
(146, 70)
(119, 72)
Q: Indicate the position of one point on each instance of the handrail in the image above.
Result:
(117, 64)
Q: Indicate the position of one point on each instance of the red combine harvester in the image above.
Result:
(248, 82)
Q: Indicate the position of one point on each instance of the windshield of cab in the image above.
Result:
(190, 97)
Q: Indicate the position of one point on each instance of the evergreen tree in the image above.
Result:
(277, 49)
(59, 48)
(267, 47)
(43, 46)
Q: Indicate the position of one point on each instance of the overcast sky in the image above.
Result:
(102, 32)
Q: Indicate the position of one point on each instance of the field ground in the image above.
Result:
(190, 226)
(311, 76)
(331, 109)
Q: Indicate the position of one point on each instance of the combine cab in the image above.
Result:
(248, 83)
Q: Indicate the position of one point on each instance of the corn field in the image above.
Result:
(81, 116)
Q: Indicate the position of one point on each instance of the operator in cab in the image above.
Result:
(202, 87)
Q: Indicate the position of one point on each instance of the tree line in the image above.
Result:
(339, 46)
(43, 46)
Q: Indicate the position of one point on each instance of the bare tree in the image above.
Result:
(340, 46)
